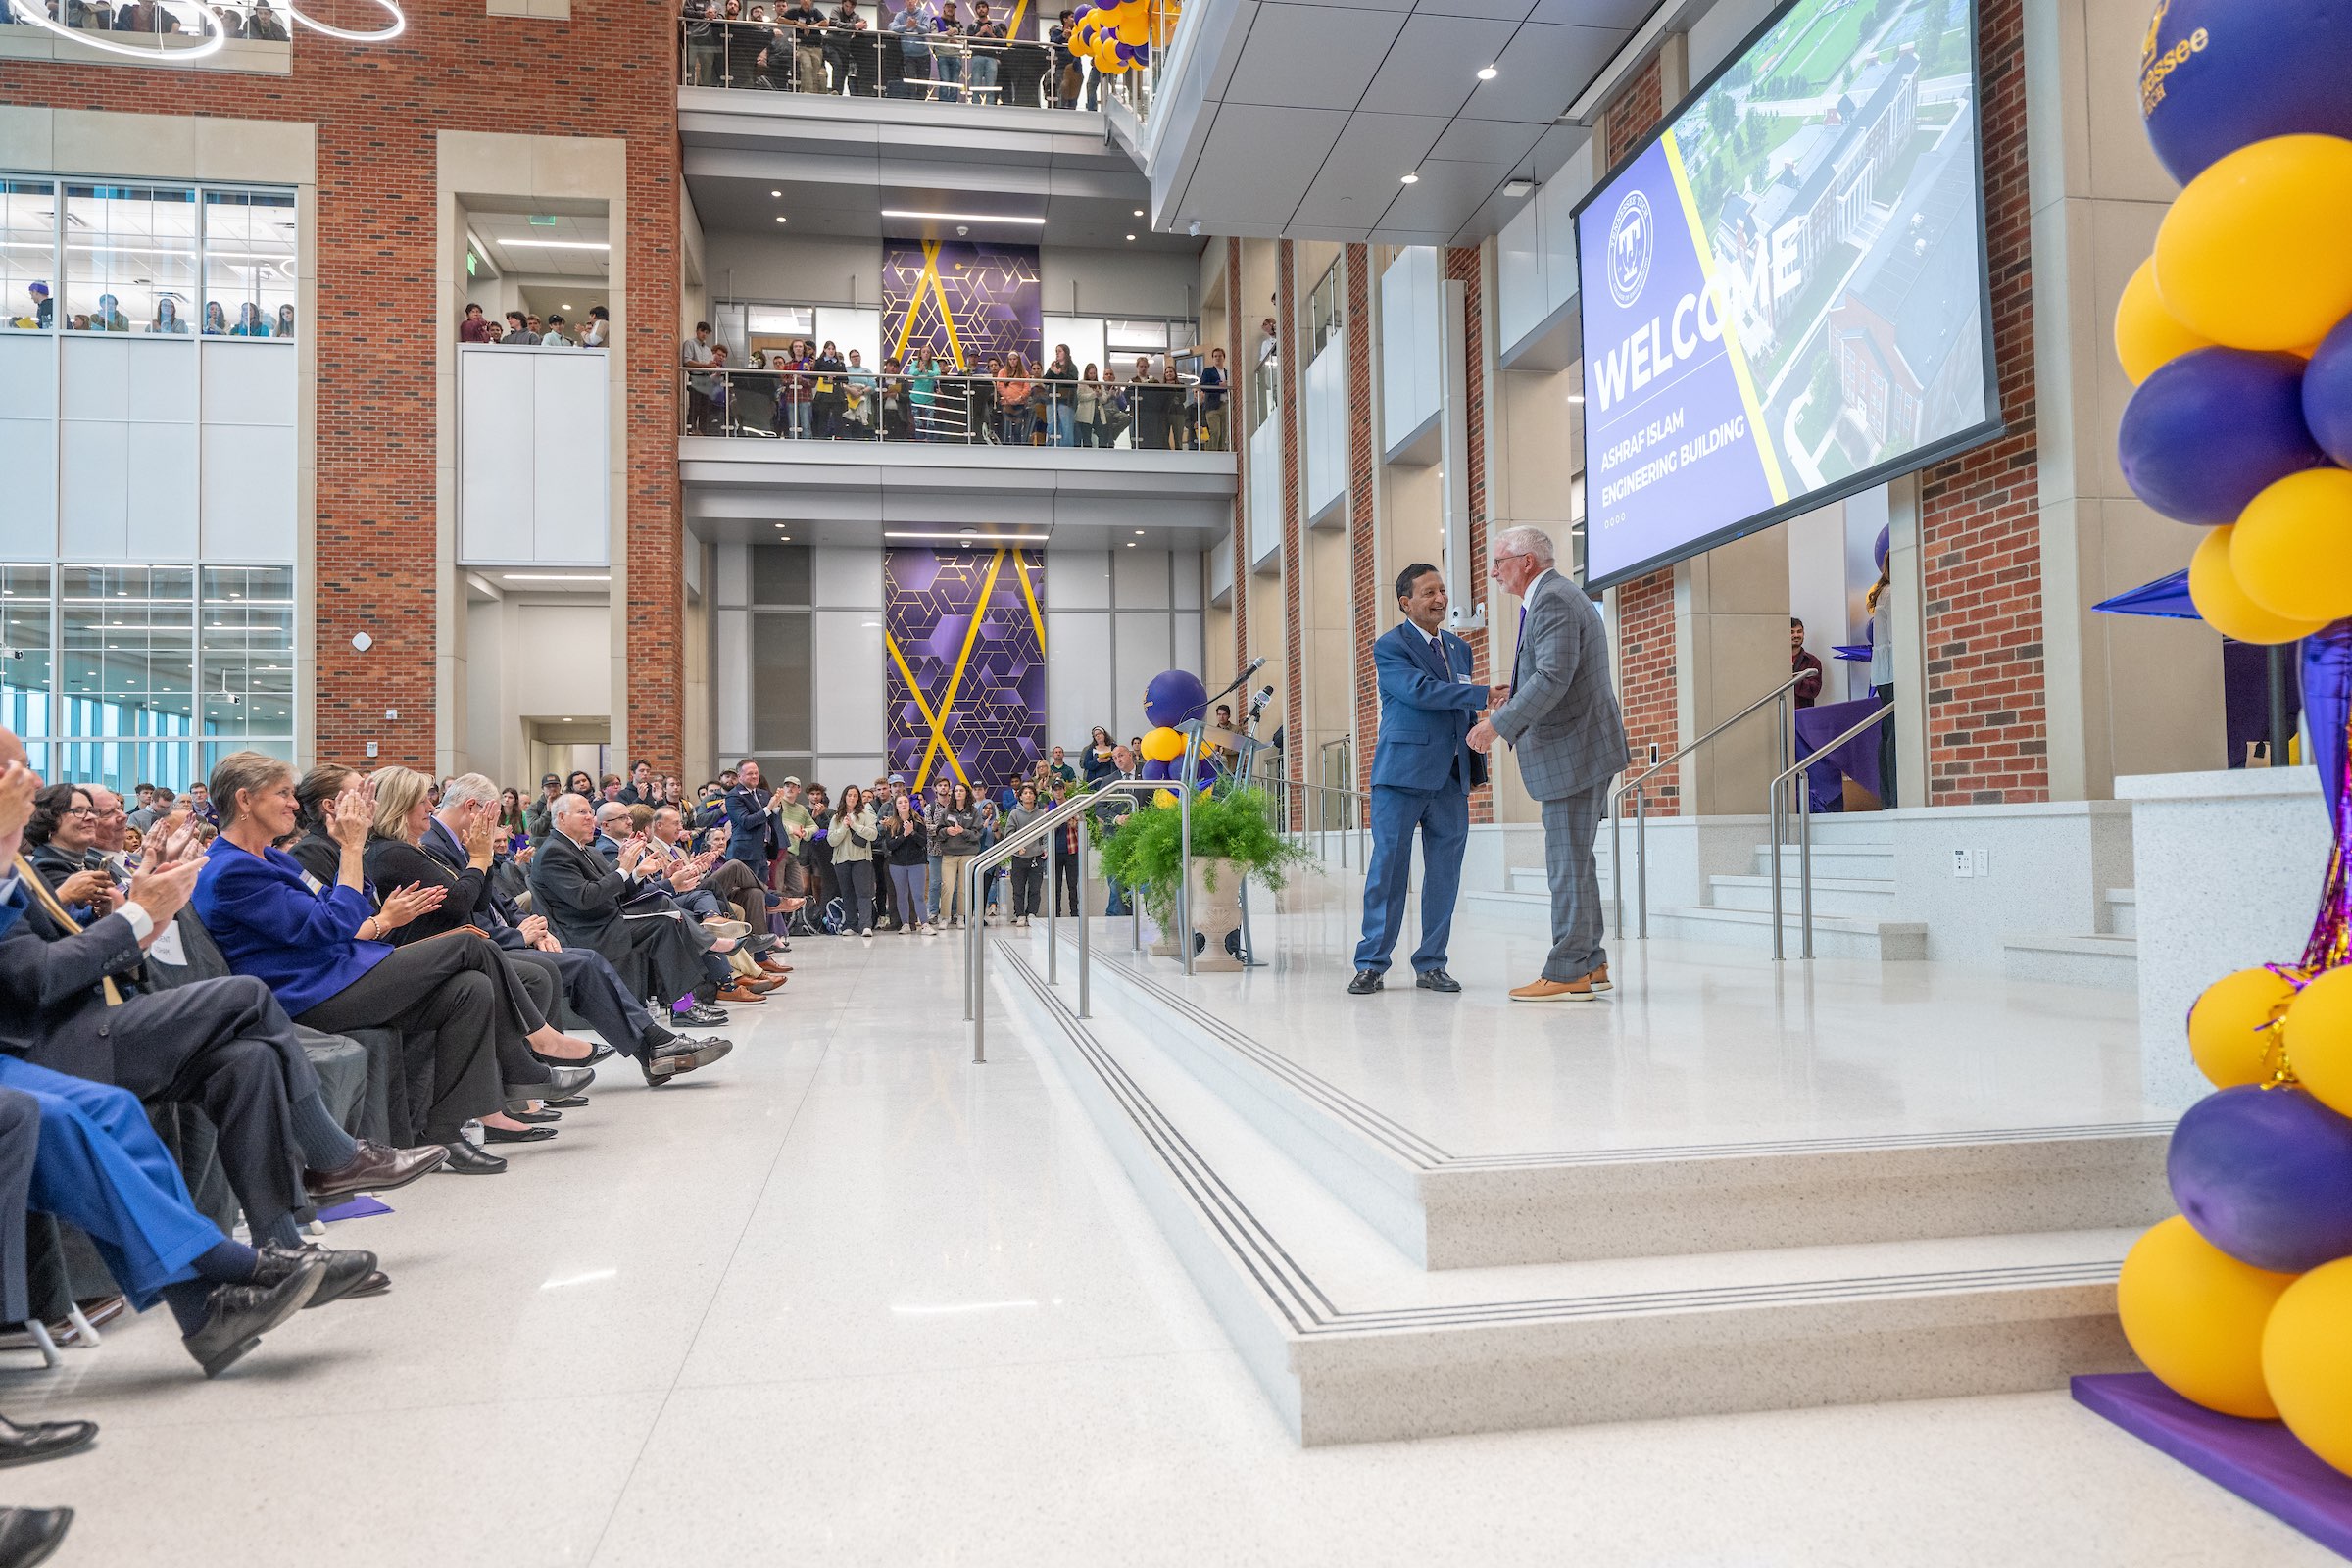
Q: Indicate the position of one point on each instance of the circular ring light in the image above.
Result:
(400, 25)
(212, 44)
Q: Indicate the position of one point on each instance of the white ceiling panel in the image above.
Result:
(1258, 161)
(1487, 141)
(1357, 180)
(1536, 65)
(1343, 45)
(1435, 65)
(1622, 15)
(1497, 10)
(1447, 194)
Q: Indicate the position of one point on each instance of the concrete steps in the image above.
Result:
(1833, 936)
(1853, 897)
(1658, 1282)
(2107, 958)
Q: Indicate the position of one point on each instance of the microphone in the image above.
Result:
(1236, 684)
(1257, 704)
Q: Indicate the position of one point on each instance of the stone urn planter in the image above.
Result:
(1216, 919)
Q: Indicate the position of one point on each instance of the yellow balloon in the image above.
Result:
(2318, 1037)
(2213, 588)
(2196, 1315)
(2145, 334)
(2252, 253)
(2304, 1365)
(1163, 745)
(1164, 798)
(2291, 549)
(2227, 1026)
(1133, 24)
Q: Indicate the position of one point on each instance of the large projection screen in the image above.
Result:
(1785, 291)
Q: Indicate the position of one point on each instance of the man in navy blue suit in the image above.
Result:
(1422, 776)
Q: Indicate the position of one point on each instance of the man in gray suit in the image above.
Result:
(1562, 721)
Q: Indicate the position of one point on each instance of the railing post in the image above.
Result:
(1617, 861)
(1085, 943)
(1642, 853)
(979, 989)
(1053, 886)
(1804, 876)
(1775, 808)
(1184, 852)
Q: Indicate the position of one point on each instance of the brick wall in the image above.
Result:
(1980, 527)
(1645, 606)
(1462, 266)
(1365, 589)
(607, 72)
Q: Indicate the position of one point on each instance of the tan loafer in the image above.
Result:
(1555, 991)
(1598, 979)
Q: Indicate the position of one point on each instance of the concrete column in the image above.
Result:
(1731, 633)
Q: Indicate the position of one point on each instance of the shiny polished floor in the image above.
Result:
(1699, 1043)
(847, 1298)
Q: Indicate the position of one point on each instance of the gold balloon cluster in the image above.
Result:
(1117, 38)
(2220, 1331)
(2256, 255)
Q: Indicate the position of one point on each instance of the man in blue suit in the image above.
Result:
(1422, 776)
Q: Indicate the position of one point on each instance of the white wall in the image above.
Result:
(533, 454)
(1411, 305)
(531, 660)
(1535, 261)
(1325, 456)
(1114, 619)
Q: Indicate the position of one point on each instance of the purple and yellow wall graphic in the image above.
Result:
(964, 631)
(961, 300)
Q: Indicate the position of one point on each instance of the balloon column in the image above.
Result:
(2237, 336)
(1175, 697)
(1116, 38)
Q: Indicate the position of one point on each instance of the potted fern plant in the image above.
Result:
(1233, 837)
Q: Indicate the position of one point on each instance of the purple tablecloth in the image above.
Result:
(1857, 759)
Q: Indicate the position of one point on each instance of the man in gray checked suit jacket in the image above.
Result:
(1562, 721)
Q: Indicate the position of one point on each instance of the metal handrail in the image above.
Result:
(1804, 838)
(1616, 796)
(975, 948)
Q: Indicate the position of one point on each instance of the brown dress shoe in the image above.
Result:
(1580, 990)
(737, 995)
(377, 1169)
(775, 968)
(762, 986)
(1598, 979)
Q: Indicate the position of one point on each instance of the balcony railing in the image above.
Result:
(879, 62)
(864, 405)
(152, 27)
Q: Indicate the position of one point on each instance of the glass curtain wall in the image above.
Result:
(93, 256)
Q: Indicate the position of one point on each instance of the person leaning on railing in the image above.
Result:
(807, 25)
(850, 50)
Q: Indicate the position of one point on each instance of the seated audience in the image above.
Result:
(587, 904)
(323, 951)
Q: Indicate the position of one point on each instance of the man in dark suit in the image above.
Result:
(71, 1000)
(1562, 723)
(1422, 774)
(591, 984)
(583, 899)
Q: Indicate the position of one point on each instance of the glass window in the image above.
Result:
(249, 262)
(129, 649)
(797, 321)
(27, 252)
(25, 626)
(130, 257)
(247, 638)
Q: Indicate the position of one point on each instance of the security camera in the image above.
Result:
(1192, 228)
(963, 229)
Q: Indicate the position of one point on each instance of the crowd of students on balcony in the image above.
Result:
(807, 390)
(257, 22)
(251, 319)
(938, 50)
(523, 330)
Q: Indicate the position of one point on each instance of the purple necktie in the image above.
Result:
(1517, 646)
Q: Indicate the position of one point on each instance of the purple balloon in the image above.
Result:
(2207, 432)
(2328, 393)
(2265, 1175)
(1881, 545)
(1153, 767)
(2215, 75)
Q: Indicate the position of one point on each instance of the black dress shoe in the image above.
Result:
(518, 1135)
(1366, 982)
(29, 1535)
(705, 1016)
(533, 1118)
(466, 1161)
(568, 1102)
(678, 1057)
(1436, 980)
(596, 1054)
(561, 1084)
(377, 1169)
(42, 1440)
(236, 1316)
(350, 1272)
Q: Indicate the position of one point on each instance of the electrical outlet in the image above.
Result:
(1963, 863)
(371, 748)
(1983, 859)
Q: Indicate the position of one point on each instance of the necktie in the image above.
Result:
(1518, 647)
(1439, 647)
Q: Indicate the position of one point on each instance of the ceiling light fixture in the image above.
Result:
(555, 244)
(542, 576)
(968, 536)
(1410, 180)
(780, 218)
(400, 25)
(1487, 73)
(1139, 211)
(775, 193)
(1131, 239)
(960, 218)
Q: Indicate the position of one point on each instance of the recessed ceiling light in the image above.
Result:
(1131, 544)
(556, 244)
(1410, 180)
(1139, 211)
(1139, 534)
(780, 218)
(1487, 73)
(775, 193)
(961, 218)
(565, 306)
(1130, 237)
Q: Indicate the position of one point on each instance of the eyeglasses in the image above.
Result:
(80, 811)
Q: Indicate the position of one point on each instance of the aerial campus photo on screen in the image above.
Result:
(1836, 323)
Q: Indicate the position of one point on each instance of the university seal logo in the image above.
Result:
(1632, 237)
